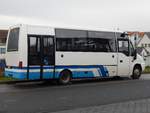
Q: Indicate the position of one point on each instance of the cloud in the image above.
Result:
(92, 14)
(7, 21)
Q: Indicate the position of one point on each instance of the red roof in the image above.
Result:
(141, 34)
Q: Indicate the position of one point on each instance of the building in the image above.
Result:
(141, 40)
(135, 37)
(142, 51)
(3, 37)
(145, 42)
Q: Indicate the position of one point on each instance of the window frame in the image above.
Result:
(131, 47)
(105, 43)
(40, 43)
(69, 39)
(128, 46)
(9, 48)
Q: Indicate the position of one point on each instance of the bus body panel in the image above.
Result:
(123, 64)
(12, 58)
(40, 30)
(91, 59)
(23, 45)
(139, 61)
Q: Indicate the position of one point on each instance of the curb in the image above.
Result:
(16, 81)
(9, 81)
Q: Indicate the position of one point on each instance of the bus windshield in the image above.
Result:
(13, 40)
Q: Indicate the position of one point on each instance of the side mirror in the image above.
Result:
(124, 35)
(135, 54)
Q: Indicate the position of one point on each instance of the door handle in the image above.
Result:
(121, 61)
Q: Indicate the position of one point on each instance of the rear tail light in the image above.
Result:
(20, 64)
(9, 67)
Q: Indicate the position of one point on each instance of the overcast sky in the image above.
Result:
(92, 14)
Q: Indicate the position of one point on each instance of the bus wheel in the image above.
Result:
(65, 77)
(136, 72)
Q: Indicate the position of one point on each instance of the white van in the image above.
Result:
(39, 53)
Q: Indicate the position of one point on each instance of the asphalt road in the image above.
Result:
(45, 98)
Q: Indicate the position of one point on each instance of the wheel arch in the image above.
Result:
(136, 74)
(137, 65)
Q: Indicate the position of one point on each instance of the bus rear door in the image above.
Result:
(41, 57)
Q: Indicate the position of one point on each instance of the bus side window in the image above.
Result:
(100, 45)
(123, 47)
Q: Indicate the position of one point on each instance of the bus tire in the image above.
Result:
(116, 77)
(136, 72)
(65, 77)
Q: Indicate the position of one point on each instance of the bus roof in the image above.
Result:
(63, 32)
(66, 27)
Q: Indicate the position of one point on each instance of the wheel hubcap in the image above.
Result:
(136, 72)
(65, 77)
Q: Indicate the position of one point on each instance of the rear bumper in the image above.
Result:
(16, 75)
(21, 74)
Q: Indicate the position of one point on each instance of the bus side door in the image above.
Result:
(123, 57)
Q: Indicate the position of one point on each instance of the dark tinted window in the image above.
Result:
(48, 50)
(13, 40)
(71, 44)
(34, 45)
(64, 44)
(85, 44)
(99, 45)
(71, 40)
(48, 45)
(34, 51)
(101, 41)
(79, 44)
(123, 47)
(76, 40)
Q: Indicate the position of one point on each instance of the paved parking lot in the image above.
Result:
(137, 106)
(103, 96)
(134, 106)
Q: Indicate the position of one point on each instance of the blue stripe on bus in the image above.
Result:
(46, 75)
(16, 75)
(35, 67)
(103, 72)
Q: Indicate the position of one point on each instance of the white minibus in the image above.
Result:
(41, 53)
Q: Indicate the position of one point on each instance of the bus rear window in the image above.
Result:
(13, 40)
